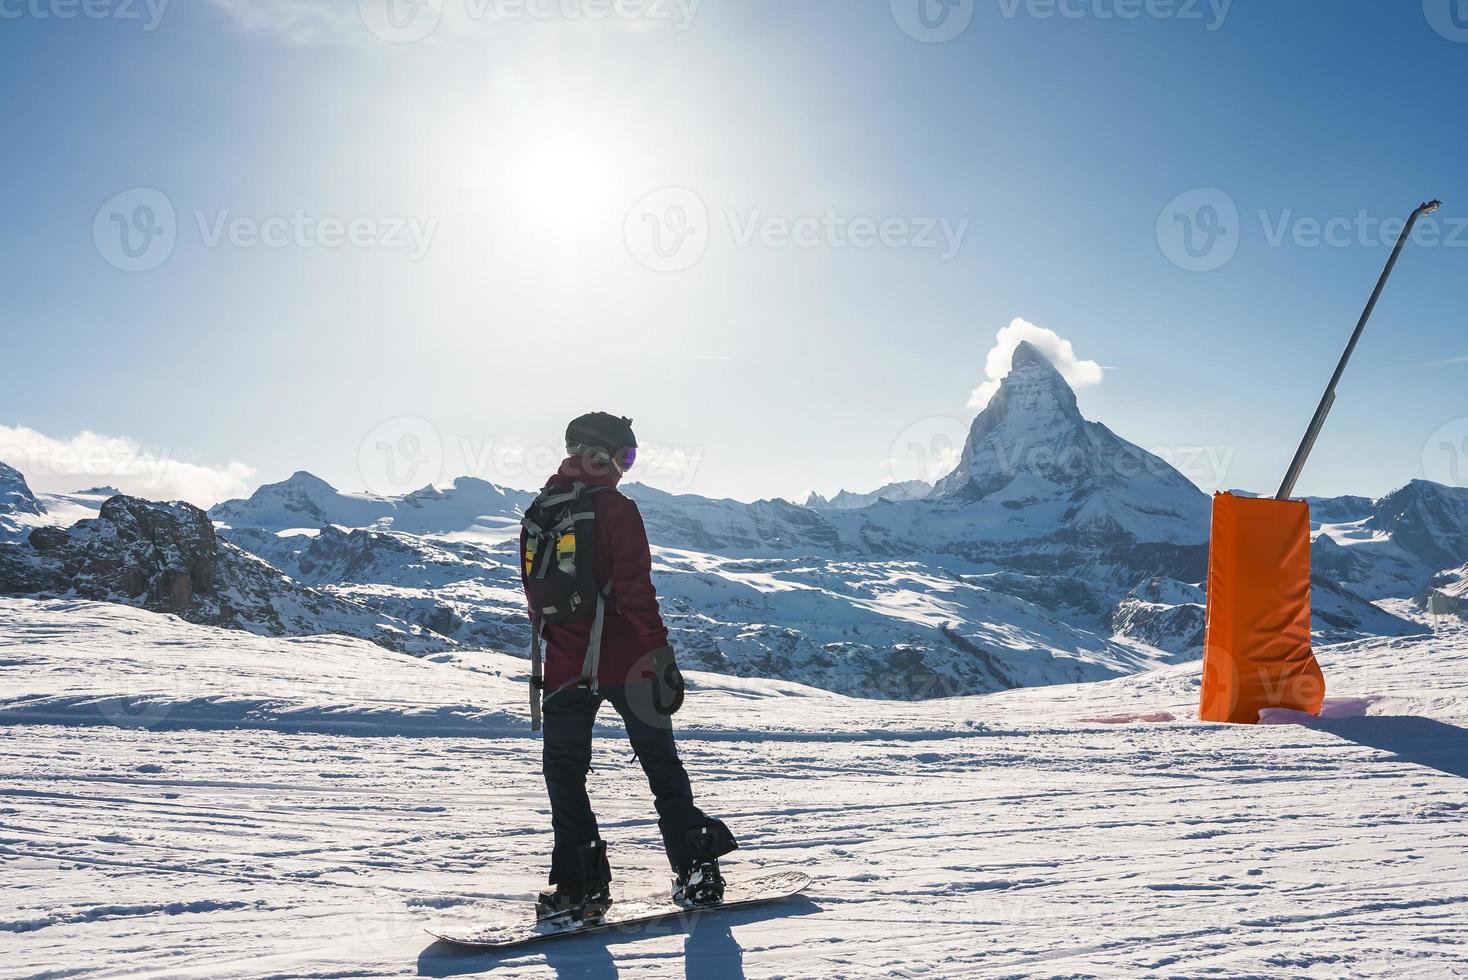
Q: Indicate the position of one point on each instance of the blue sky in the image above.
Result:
(501, 178)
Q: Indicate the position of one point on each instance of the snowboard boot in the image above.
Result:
(585, 900)
(699, 882)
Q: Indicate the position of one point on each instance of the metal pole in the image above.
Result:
(1328, 399)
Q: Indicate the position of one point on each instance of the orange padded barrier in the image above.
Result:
(1256, 648)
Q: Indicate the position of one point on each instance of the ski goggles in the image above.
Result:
(624, 458)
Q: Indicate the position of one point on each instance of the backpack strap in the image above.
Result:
(591, 666)
(537, 675)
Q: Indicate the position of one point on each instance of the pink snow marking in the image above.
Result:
(1154, 716)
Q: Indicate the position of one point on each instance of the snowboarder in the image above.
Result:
(587, 574)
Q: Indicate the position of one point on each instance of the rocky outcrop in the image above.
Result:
(1163, 613)
(15, 493)
(165, 557)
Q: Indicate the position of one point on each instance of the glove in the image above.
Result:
(667, 681)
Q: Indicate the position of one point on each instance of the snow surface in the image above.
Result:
(184, 801)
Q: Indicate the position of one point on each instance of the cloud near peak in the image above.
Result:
(88, 459)
(1076, 372)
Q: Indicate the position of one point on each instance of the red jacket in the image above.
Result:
(633, 625)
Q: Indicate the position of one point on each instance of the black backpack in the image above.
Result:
(560, 577)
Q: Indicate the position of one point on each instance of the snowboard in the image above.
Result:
(625, 914)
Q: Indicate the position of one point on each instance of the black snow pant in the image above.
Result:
(566, 759)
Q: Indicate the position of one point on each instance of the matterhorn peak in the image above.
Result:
(1033, 383)
(1031, 424)
(1032, 442)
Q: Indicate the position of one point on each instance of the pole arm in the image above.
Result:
(1317, 422)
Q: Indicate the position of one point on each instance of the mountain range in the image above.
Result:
(1055, 551)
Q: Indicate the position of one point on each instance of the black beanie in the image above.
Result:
(599, 430)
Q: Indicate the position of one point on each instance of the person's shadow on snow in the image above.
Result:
(569, 958)
(710, 951)
(1421, 741)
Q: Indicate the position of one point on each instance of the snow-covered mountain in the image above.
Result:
(465, 590)
(1164, 613)
(20, 511)
(307, 501)
(165, 557)
(1039, 491)
(1045, 558)
(1031, 446)
(847, 500)
(1392, 547)
(15, 493)
(1056, 551)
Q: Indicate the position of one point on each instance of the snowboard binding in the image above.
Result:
(700, 883)
(585, 900)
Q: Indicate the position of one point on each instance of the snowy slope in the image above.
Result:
(302, 808)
